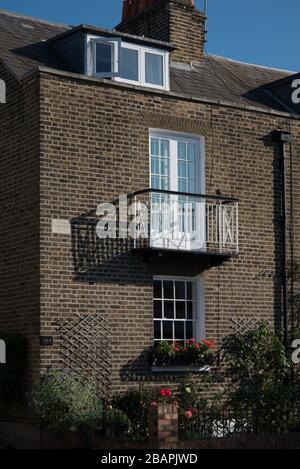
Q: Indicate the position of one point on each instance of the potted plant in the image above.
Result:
(193, 353)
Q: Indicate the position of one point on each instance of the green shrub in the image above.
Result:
(66, 402)
(261, 375)
(12, 372)
(135, 404)
(117, 421)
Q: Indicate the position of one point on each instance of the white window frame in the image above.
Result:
(90, 62)
(142, 66)
(174, 137)
(199, 333)
(90, 65)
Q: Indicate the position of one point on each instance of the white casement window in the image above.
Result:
(177, 166)
(103, 58)
(178, 309)
(127, 62)
(144, 66)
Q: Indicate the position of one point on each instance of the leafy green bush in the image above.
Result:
(117, 422)
(261, 375)
(13, 371)
(65, 402)
(135, 404)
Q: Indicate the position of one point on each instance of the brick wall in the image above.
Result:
(172, 21)
(19, 196)
(94, 146)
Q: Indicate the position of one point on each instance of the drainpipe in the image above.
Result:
(284, 137)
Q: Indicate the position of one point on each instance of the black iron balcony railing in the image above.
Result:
(181, 221)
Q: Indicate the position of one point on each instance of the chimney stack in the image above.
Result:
(174, 21)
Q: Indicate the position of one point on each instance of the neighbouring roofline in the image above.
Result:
(249, 64)
(171, 94)
(33, 18)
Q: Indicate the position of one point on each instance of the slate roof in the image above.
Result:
(24, 46)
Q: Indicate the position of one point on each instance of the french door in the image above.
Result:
(177, 220)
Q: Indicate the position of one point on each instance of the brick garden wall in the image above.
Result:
(94, 146)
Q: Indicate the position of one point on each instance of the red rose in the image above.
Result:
(162, 392)
(168, 392)
(188, 414)
(209, 343)
(197, 346)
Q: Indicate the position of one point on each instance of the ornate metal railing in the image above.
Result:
(185, 222)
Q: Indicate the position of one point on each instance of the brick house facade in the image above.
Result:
(71, 140)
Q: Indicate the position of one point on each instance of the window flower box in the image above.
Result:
(193, 357)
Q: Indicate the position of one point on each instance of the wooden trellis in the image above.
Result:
(85, 348)
(243, 325)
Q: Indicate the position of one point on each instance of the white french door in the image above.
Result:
(177, 165)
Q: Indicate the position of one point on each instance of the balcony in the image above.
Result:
(186, 223)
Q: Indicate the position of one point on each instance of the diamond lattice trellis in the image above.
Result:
(243, 325)
(85, 348)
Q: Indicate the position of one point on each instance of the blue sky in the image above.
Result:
(257, 31)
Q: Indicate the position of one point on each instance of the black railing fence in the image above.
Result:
(115, 423)
(200, 423)
(209, 423)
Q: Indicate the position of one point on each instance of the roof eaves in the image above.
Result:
(219, 102)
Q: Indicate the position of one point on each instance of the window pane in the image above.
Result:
(180, 290)
(191, 171)
(155, 182)
(192, 187)
(169, 309)
(182, 151)
(191, 152)
(164, 166)
(130, 64)
(154, 146)
(179, 330)
(157, 330)
(104, 57)
(157, 289)
(155, 165)
(164, 148)
(168, 330)
(164, 184)
(182, 169)
(180, 309)
(190, 310)
(157, 309)
(189, 289)
(189, 330)
(154, 69)
(182, 185)
(168, 290)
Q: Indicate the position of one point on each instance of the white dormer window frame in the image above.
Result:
(91, 61)
(144, 53)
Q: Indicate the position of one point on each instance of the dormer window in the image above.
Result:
(105, 57)
(128, 62)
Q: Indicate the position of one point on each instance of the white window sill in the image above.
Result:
(180, 369)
